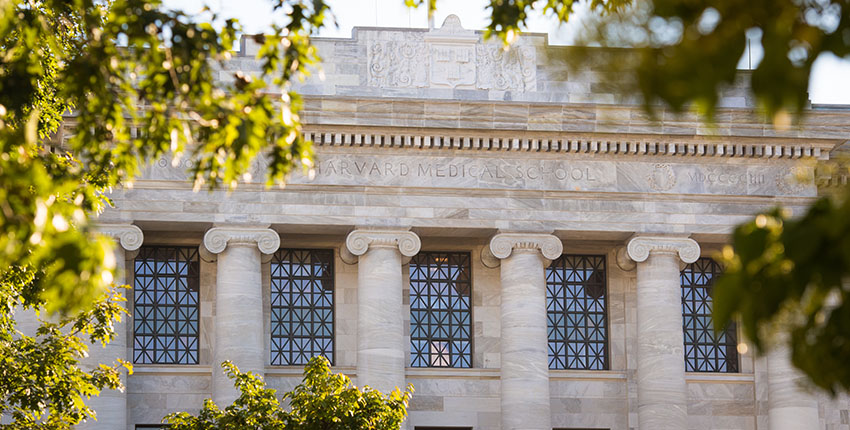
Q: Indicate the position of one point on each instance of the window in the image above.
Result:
(165, 305)
(703, 351)
(576, 301)
(302, 306)
(440, 310)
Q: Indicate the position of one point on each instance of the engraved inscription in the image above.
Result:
(532, 174)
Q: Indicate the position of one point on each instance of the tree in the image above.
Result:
(134, 81)
(323, 401)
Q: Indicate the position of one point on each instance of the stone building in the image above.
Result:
(525, 248)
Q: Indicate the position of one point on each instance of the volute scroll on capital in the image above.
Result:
(503, 245)
(359, 241)
(639, 248)
(128, 235)
(217, 239)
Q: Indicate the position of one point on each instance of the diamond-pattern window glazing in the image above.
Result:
(576, 300)
(703, 351)
(302, 306)
(165, 305)
(440, 310)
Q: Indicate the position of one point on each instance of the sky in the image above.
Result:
(829, 84)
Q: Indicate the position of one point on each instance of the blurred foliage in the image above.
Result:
(323, 401)
(684, 53)
(785, 274)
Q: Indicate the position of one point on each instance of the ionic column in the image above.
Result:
(524, 328)
(662, 391)
(238, 302)
(380, 322)
(789, 406)
(111, 405)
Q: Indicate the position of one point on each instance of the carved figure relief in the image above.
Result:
(398, 64)
(514, 69)
(453, 57)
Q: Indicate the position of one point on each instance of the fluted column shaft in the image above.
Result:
(524, 374)
(790, 407)
(380, 322)
(111, 405)
(238, 303)
(662, 390)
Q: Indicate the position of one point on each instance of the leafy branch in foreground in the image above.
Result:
(131, 81)
(323, 400)
(784, 274)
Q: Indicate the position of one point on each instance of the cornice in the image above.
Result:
(626, 145)
(129, 236)
(640, 247)
(217, 239)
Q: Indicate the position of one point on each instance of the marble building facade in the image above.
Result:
(562, 238)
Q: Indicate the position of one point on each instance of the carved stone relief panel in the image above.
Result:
(399, 64)
(452, 57)
(499, 69)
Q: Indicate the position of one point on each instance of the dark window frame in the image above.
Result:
(287, 348)
(703, 351)
(562, 296)
(423, 332)
(157, 302)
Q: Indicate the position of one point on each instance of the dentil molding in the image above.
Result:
(503, 245)
(359, 241)
(217, 239)
(640, 247)
(128, 235)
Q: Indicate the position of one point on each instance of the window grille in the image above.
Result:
(440, 310)
(302, 306)
(703, 351)
(576, 300)
(165, 305)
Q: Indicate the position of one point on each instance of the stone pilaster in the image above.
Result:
(524, 351)
(238, 302)
(662, 390)
(790, 406)
(380, 321)
(111, 405)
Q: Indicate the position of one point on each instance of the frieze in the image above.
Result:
(542, 174)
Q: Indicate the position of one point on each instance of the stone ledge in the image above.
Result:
(154, 369)
(588, 375)
(716, 377)
(447, 372)
(298, 371)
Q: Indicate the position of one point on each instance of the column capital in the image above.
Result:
(217, 239)
(639, 247)
(359, 241)
(502, 245)
(128, 235)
